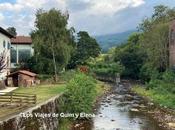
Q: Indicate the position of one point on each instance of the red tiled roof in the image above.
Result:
(24, 72)
(21, 40)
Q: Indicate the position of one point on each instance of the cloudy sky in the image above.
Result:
(95, 16)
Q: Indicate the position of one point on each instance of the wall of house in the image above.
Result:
(172, 45)
(7, 50)
(19, 47)
(25, 80)
(18, 122)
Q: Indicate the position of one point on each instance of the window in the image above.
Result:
(13, 56)
(4, 44)
(9, 45)
(24, 55)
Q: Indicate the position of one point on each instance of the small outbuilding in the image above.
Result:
(22, 78)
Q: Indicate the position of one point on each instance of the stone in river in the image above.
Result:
(77, 125)
(134, 110)
(171, 124)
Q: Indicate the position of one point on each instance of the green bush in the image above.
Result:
(153, 84)
(147, 73)
(67, 75)
(169, 76)
(80, 94)
(107, 69)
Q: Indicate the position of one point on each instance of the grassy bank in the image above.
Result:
(159, 96)
(43, 92)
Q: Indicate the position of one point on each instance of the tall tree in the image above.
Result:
(12, 30)
(52, 40)
(131, 56)
(86, 47)
(155, 36)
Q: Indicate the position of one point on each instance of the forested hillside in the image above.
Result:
(111, 40)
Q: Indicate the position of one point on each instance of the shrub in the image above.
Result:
(153, 84)
(169, 76)
(80, 94)
(107, 69)
(148, 73)
(83, 69)
(67, 75)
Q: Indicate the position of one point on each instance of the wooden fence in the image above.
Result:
(21, 98)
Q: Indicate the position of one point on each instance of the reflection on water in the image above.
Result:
(114, 116)
(120, 111)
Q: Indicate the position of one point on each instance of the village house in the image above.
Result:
(5, 46)
(172, 45)
(21, 50)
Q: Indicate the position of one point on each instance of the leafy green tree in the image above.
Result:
(53, 42)
(86, 47)
(155, 43)
(12, 31)
(131, 56)
(80, 94)
(155, 37)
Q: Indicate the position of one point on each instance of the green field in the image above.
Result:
(43, 92)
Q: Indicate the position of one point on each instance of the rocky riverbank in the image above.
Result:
(163, 115)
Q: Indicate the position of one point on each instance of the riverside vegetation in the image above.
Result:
(143, 57)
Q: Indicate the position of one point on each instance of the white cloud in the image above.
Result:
(22, 13)
(138, 3)
(100, 7)
(1, 17)
(10, 7)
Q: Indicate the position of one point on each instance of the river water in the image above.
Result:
(121, 110)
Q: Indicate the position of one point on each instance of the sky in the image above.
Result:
(98, 17)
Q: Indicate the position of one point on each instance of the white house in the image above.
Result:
(21, 50)
(5, 46)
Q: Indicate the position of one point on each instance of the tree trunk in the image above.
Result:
(54, 63)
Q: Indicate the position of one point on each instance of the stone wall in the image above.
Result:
(17, 122)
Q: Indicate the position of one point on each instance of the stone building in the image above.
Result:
(172, 45)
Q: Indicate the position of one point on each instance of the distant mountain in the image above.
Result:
(112, 40)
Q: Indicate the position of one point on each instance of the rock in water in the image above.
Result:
(134, 110)
(171, 125)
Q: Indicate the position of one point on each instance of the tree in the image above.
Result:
(12, 31)
(155, 37)
(53, 42)
(86, 47)
(131, 56)
(80, 94)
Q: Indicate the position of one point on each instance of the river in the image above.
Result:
(121, 110)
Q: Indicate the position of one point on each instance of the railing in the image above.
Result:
(21, 98)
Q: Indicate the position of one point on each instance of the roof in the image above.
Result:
(25, 72)
(21, 40)
(3, 31)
